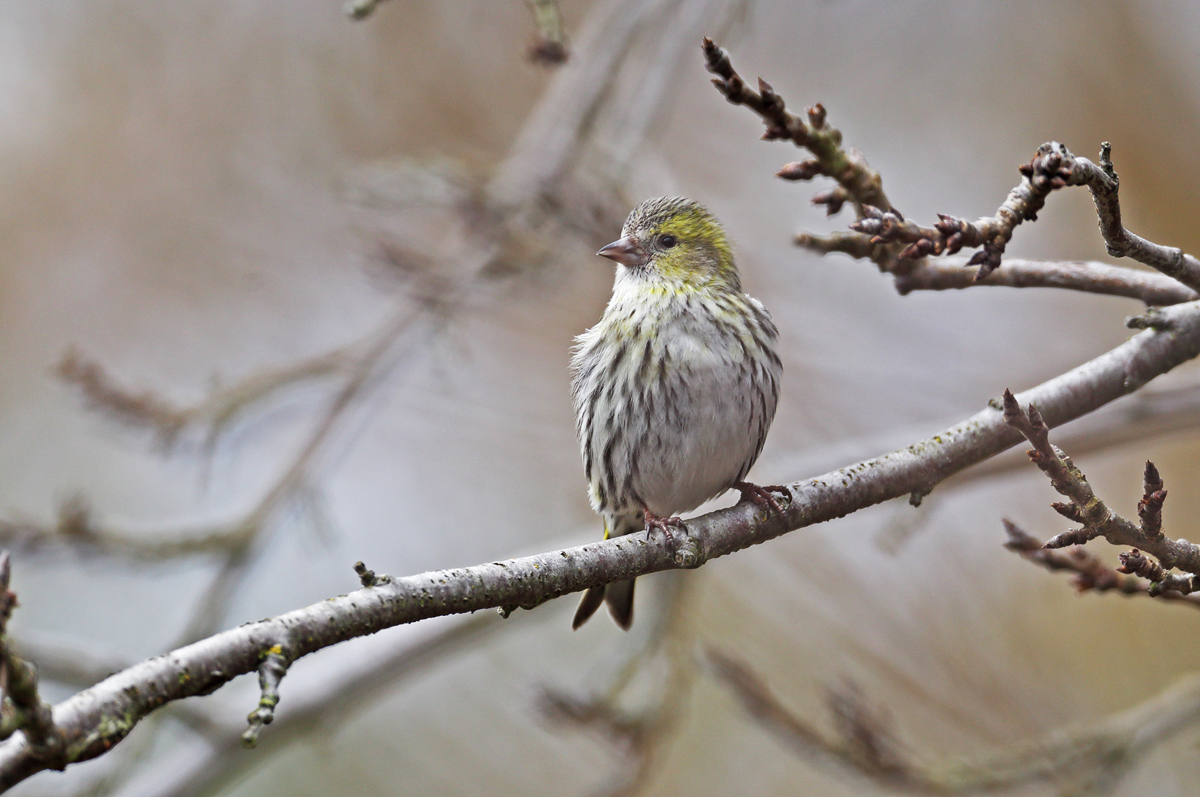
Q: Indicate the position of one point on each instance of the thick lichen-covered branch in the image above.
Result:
(215, 758)
(97, 718)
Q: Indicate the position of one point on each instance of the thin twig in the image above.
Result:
(864, 744)
(1103, 182)
(270, 674)
(1050, 168)
(1091, 575)
(1146, 415)
(1086, 508)
(76, 527)
(859, 183)
(73, 662)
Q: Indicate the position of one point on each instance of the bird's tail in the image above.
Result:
(618, 596)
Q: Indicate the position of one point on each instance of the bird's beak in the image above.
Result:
(625, 251)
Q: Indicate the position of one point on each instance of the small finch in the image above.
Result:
(674, 389)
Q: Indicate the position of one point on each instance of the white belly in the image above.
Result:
(687, 462)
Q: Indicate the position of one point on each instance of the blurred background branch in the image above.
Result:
(1090, 759)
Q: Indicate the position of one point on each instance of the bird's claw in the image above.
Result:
(663, 524)
(762, 495)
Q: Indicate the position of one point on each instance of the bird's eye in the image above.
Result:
(667, 241)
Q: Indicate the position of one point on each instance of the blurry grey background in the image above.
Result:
(199, 192)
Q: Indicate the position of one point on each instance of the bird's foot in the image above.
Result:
(762, 495)
(663, 524)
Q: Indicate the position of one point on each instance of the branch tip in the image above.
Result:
(716, 59)
(1068, 510)
(816, 116)
(833, 199)
(1018, 538)
(1012, 410)
(802, 170)
(1151, 477)
(1150, 507)
(1106, 160)
(1069, 538)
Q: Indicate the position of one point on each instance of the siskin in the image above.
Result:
(674, 389)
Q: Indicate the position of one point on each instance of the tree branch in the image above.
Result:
(77, 527)
(926, 274)
(95, 719)
(1051, 168)
(1103, 182)
(857, 181)
(896, 244)
(1146, 415)
(1089, 277)
(215, 413)
(1096, 518)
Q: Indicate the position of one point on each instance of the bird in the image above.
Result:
(675, 388)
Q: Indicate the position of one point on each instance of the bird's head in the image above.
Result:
(674, 242)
